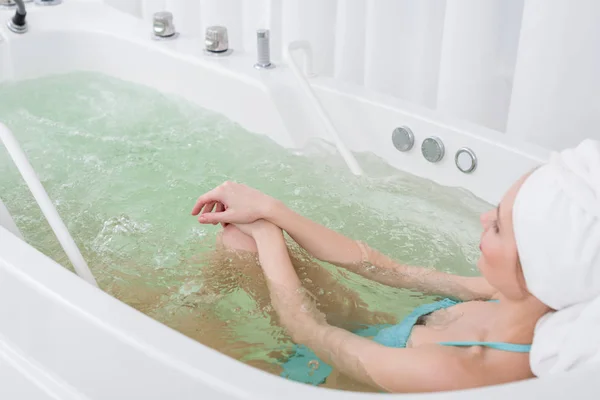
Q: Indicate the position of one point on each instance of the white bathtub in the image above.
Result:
(62, 338)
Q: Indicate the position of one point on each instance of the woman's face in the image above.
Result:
(499, 261)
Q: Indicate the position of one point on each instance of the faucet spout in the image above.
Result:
(18, 24)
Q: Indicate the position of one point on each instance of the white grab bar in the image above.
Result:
(330, 129)
(7, 221)
(40, 195)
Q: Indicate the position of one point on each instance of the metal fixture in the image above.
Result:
(263, 48)
(48, 2)
(217, 41)
(433, 149)
(17, 23)
(403, 138)
(466, 160)
(163, 27)
(4, 4)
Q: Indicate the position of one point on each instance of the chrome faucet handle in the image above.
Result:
(216, 41)
(163, 27)
(18, 23)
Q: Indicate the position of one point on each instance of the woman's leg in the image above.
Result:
(342, 306)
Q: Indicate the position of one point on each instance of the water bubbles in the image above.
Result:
(165, 258)
(198, 232)
(188, 288)
(123, 224)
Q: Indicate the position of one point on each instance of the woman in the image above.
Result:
(540, 249)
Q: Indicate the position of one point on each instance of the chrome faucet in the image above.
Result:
(16, 24)
(263, 47)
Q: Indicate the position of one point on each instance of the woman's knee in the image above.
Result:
(233, 239)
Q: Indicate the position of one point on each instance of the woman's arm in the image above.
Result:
(335, 248)
(243, 204)
(321, 242)
(428, 368)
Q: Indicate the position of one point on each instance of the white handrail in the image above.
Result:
(7, 222)
(330, 129)
(40, 195)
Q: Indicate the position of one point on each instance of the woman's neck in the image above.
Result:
(518, 317)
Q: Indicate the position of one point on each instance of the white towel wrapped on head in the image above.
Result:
(556, 219)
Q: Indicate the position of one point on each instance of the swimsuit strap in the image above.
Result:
(512, 347)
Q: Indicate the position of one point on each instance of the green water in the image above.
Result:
(124, 165)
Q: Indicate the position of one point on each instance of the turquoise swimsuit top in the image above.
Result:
(296, 367)
(397, 335)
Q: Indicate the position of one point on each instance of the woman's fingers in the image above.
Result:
(208, 207)
(216, 218)
(230, 199)
(208, 197)
(219, 208)
(211, 207)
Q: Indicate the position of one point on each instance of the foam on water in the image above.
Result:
(124, 165)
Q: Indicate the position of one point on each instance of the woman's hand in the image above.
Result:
(233, 203)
